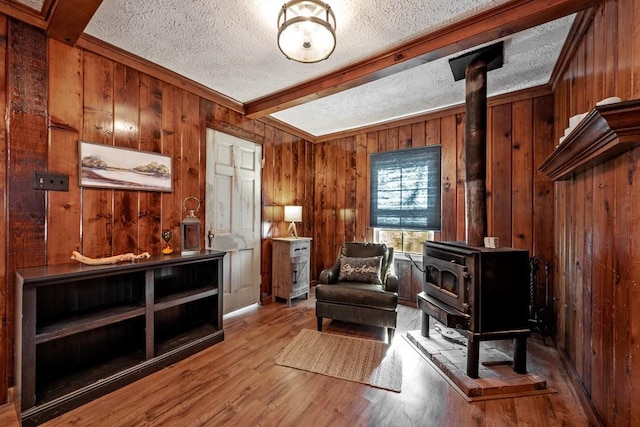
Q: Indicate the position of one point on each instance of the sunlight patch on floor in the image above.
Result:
(241, 311)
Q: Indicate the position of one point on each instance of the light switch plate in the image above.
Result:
(50, 181)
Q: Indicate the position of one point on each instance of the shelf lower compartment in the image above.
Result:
(197, 334)
(67, 393)
(175, 326)
(86, 378)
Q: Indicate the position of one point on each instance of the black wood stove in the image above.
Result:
(481, 291)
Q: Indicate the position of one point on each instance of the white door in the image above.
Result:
(233, 214)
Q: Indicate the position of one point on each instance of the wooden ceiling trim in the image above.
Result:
(509, 18)
(493, 101)
(231, 129)
(24, 14)
(578, 30)
(69, 18)
(99, 47)
(287, 128)
(47, 5)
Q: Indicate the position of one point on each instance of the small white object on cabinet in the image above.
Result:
(290, 269)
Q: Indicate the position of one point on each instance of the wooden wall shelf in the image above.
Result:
(83, 331)
(606, 132)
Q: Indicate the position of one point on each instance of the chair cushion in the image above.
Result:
(366, 270)
(358, 294)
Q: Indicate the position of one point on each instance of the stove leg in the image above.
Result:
(520, 355)
(473, 356)
(424, 327)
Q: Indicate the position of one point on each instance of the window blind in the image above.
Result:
(405, 189)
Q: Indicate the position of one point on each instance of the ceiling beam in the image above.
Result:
(69, 18)
(509, 18)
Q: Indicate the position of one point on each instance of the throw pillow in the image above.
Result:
(365, 270)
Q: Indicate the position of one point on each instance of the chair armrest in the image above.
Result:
(391, 285)
(330, 275)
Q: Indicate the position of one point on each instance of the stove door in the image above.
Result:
(448, 282)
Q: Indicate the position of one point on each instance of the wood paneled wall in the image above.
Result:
(597, 243)
(55, 96)
(287, 180)
(519, 198)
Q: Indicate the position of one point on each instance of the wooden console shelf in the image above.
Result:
(83, 331)
(606, 132)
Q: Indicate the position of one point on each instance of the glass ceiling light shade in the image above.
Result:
(306, 30)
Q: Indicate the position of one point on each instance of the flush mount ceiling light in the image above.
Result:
(306, 30)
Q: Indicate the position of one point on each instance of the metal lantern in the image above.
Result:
(190, 229)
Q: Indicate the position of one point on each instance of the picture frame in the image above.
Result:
(107, 166)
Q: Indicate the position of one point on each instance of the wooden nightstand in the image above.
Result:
(291, 258)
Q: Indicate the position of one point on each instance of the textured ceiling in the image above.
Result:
(230, 47)
(34, 4)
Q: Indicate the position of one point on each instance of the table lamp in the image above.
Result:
(293, 214)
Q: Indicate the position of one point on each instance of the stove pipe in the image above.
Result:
(475, 152)
(473, 67)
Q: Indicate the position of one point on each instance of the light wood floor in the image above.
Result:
(237, 383)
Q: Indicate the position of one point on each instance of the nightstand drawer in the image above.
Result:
(300, 250)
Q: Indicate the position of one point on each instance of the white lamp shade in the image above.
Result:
(293, 213)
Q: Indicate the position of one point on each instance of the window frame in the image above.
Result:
(429, 235)
(431, 219)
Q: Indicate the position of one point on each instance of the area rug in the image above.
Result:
(349, 358)
(497, 379)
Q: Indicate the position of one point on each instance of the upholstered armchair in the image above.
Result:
(360, 287)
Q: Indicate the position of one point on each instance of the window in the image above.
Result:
(405, 189)
(405, 196)
(402, 241)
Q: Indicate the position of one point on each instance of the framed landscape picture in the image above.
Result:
(107, 166)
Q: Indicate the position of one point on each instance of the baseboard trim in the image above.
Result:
(578, 387)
